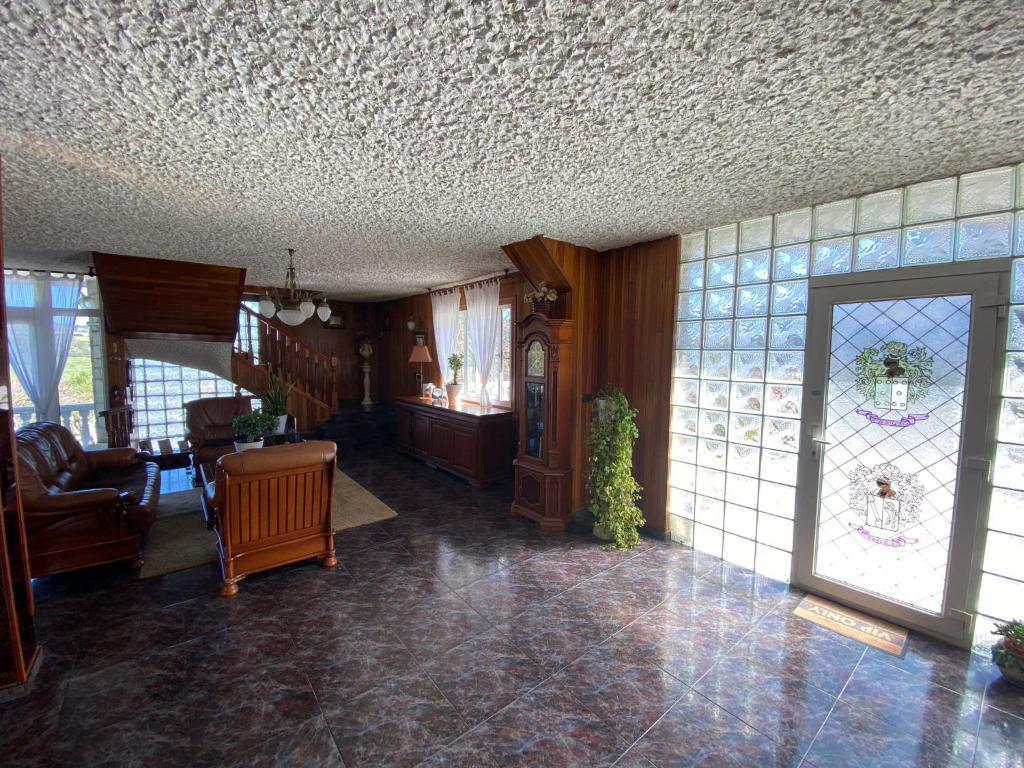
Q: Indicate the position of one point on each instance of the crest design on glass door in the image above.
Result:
(893, 419)
(894, 376)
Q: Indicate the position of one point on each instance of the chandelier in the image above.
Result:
(292, 305)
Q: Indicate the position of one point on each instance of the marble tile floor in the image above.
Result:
(454, 635)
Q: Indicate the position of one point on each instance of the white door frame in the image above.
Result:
(988, 283)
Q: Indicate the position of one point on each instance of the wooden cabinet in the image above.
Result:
(469, 441)
(546, 388)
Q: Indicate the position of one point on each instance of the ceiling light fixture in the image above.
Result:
(292, 305)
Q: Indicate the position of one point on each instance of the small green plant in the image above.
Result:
(252, 426)
(613, 491)
(455, 363)
(1012, 631)
(275, 401)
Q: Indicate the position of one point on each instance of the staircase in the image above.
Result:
(261, 347)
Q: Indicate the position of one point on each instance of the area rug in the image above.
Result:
(853, 624)
(179, 539)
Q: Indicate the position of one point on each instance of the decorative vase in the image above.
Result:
(241, 445)
(1009, 657)
(542, 308)
(282, 424)
(454, 390)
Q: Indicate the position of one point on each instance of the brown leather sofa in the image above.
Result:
(271, 507)
(82, 508)
(208, 426)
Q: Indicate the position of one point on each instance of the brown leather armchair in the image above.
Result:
(82, 508)
(208, 426)
(271, 507)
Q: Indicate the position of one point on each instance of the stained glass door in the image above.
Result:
(896, 426)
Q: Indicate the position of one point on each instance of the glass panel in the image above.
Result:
(755, 267)
(719, 303)
(788, 332)
(986, 191)
(793, 227)
(879, 250)
(534, 418)
(894, 405)
(693, 246)
(535, 359)
(789, 298)
(691, 305)
(792, 261)
(753, 301)
(721, 272)
(751, 333)
(832, 257)
(930, 244)
(984, 237)
(718, 334)
(756, 233)
(722, 240)
(882, 210)
(931, 201)
(833, 219)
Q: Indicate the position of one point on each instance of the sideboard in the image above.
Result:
(467, 440)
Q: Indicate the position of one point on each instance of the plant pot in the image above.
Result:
(282, 424)
(241, 445)
(601, 532)
(1009, 657)
(542, 308)
(454, 390)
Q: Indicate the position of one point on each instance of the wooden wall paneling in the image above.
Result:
(160, 298)
(396, 376)
(637, 322)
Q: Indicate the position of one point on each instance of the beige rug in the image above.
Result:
(179, 539)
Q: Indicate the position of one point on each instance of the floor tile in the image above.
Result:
(399, 723)
(850, 738)
(695, 732)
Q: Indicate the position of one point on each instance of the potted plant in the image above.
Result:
(540, 300)
(613, 491)
(1008, 653)
(275, 402)
(454, 389)
(249, 429)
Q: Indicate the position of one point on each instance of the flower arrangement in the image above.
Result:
(543, 293)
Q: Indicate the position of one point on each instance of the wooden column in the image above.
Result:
(18, 648)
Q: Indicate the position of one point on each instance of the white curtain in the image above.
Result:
(482, 330)
(41, 311)
(446, 327)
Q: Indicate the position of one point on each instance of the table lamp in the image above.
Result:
(420, 354)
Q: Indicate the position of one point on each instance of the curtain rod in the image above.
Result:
(90, 273)
(479, 281)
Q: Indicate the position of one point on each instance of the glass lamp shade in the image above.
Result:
(267, 308)
(291, 316)
(323, 311)
(307, 308)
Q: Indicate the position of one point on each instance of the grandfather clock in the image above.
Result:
(543, 465)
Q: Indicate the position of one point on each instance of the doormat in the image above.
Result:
(859, 626)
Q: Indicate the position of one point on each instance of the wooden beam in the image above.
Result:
(160, 299)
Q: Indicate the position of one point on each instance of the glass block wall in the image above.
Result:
(738, 368)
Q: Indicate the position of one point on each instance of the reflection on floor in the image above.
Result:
(454, 635)
(175, 480)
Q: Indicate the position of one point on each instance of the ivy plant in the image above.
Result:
(613, 491)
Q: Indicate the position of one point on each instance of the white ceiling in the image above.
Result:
(396, 145)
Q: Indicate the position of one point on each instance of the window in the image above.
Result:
(82, 386)
(499, 384)
(161, 391)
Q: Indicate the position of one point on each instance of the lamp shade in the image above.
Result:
(291, 316)
(420, 355)
(307, 308)
(323, 311)
(267, 307)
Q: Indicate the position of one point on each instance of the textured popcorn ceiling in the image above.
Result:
(397, 145)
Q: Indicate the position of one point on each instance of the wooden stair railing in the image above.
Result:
(261, 347)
